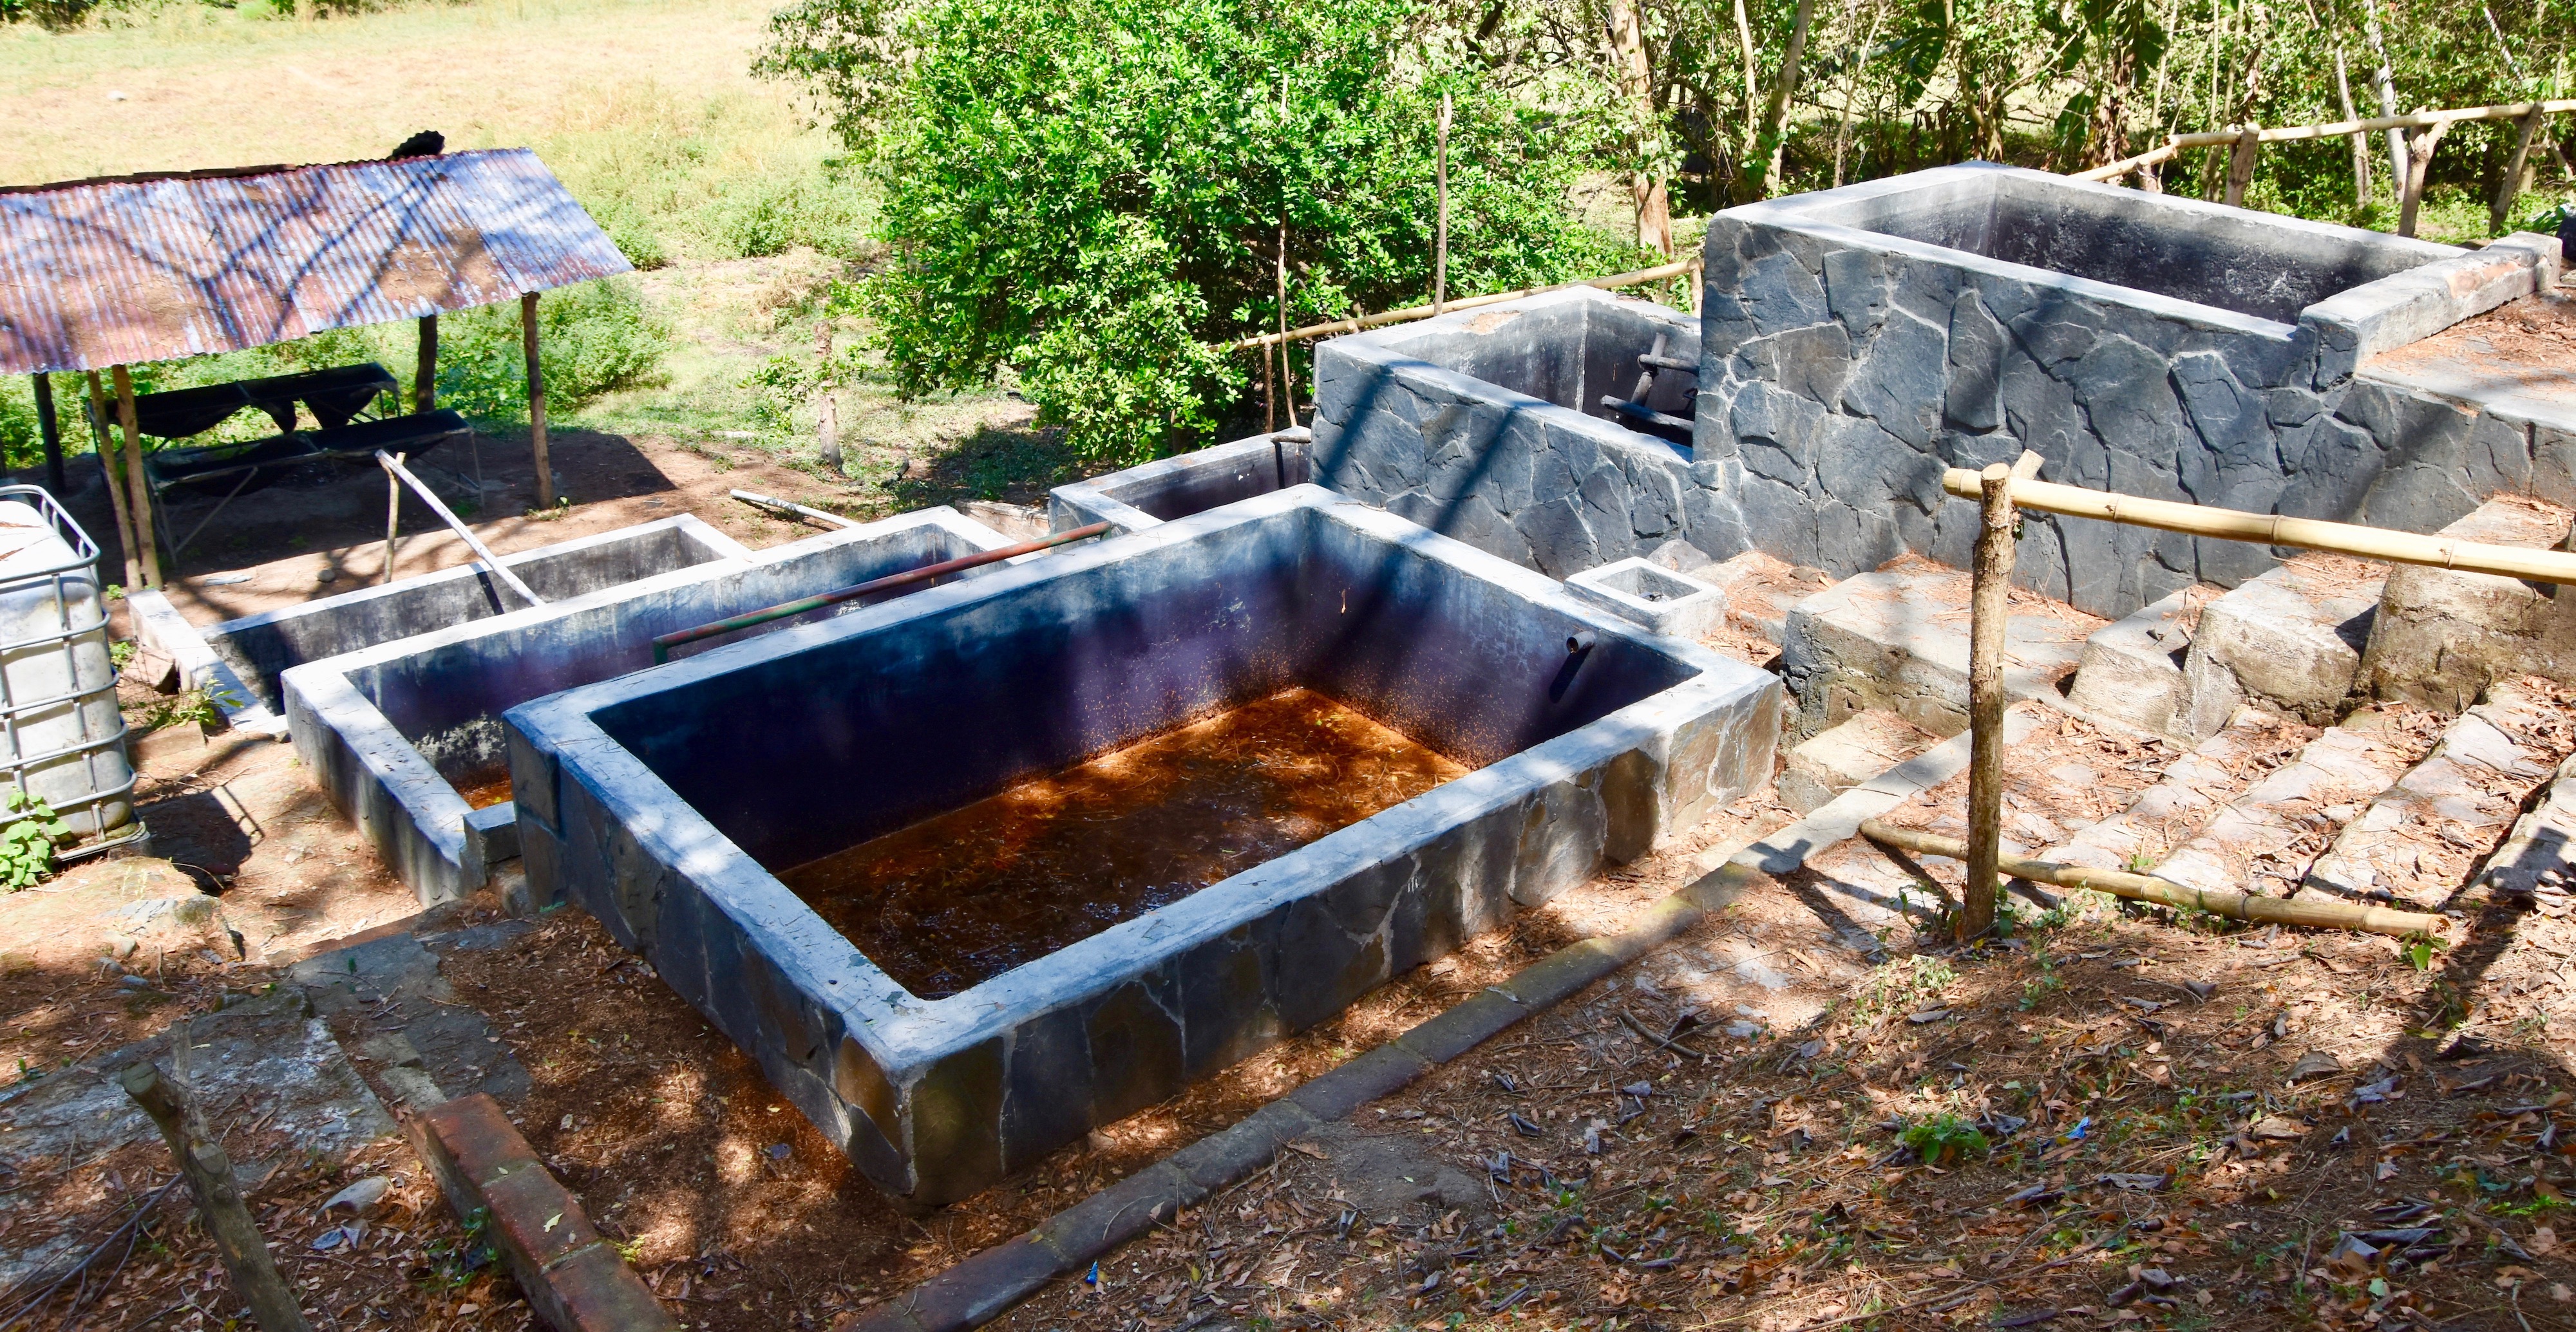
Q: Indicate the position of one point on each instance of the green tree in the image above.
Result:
(1091, 193)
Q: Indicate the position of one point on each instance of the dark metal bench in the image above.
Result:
(336, 396)
(232, 470)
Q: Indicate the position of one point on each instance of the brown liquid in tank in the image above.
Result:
(483, 790)
(963, 897)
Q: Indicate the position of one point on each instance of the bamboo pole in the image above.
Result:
(2369, 543)
(536, 401)
(219, 1201)
(105, 452)
(2162, 892)
(139, 496)
(1639, 278)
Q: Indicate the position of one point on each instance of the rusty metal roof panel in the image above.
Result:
(100, 273)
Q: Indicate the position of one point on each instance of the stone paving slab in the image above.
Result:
(2417, 839)
(2290, 640)
(2182, 801)
(1898, 639)
(2264, 841)
(2132, 670)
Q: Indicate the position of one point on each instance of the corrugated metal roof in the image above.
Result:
(101, 273)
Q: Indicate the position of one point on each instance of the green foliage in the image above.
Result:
(1944, 1138)
(592, 338)
(202, 706)
(27, 842)
(1091, 193)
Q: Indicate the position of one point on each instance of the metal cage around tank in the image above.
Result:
(58, 685)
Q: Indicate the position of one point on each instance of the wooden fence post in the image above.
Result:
(2240, 164)
(1440, 240)
(2419, 156)
(1988, 609)
(393, 516)
(2517, 171)
(219, 1201)
(536, 400)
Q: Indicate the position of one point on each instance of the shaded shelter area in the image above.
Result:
(99, 275)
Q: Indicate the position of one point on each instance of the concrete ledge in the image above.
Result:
(985, 1285)
(571, 1277)
(1172, 488)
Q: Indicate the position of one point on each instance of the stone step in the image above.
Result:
(2536, 865)
(1759, 588)
(1842, 757)
(2251, 746)
(1897, 639)
(2132, 670)
(2417, 841)
(2290, 640)
(2264, 840)
(2442, 635)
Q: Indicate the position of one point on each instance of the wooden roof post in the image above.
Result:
(424, 383)
(536, 400)
(49, 429)
(105, 452)
(139, 493)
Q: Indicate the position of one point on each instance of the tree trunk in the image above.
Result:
(1637, 84)
(2517, 173)
(1775, 113)
(2387, 96)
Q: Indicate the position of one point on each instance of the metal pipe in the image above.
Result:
(457, 525)
(662, 646)
(760, 501)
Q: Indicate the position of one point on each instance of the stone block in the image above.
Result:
(2442, 635)
(1644, 592)
(2132, 671)
(1868, 743)
(2292, 639)
(1898, 639)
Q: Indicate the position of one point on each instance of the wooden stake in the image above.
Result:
(2517, 172)
(2146, 888)
(424, 381)
(2360, 142)
(1287, 371)
(536, 401)
(1987, 610)
(1440, 237)
(49, 431)
(2240, 164)
(219, 1201)
(140, 495)
(829, 426)
(105, 452)
(393, 515)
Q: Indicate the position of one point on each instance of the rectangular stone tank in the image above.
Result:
(1195, 482)
(1487, 426)
(662, 802)
(398, 732)
(1858, 341)
(246, 656)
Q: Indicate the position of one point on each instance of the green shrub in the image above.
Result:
(592, 338)
(1944, 1138)
(1091, 192)
(819, 212)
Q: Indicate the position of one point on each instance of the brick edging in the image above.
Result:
(572, 1278)
(986, 1284)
